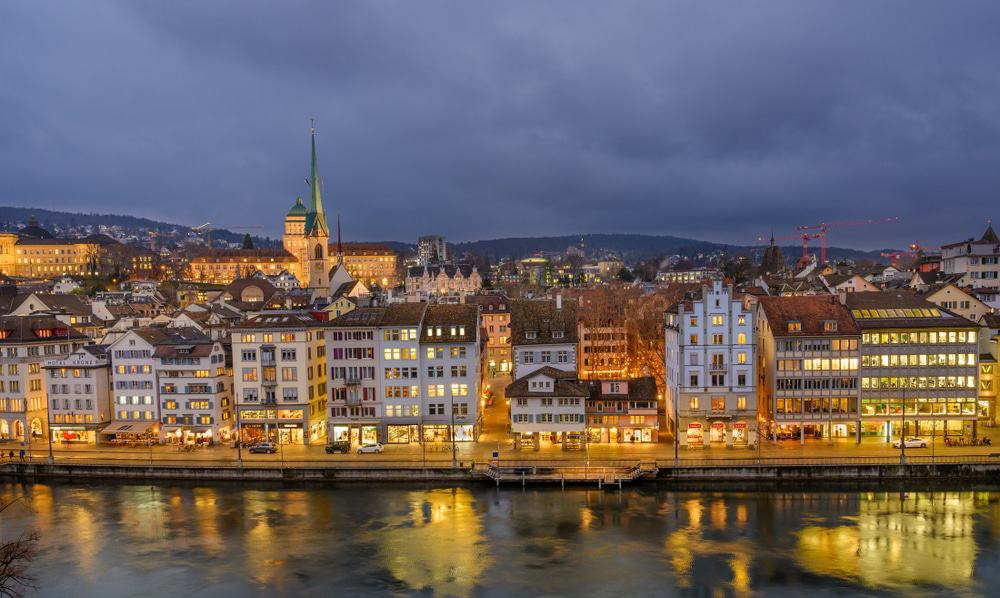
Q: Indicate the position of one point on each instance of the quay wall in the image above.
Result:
(714, 475)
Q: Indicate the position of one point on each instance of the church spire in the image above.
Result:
(340, 247)
(315, 218)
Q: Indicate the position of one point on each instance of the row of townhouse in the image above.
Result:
(406, 373)
(880, 364)
(167, 385)
(550, 406)
(26, 344)
(279, 377)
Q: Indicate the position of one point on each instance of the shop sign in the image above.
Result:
(740, 425)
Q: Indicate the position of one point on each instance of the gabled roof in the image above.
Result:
(461, 317)
(72, 304)
(542, 318)
(279, 319)
(565, 385)
(810, 311)
(28, 329)
(639, 389)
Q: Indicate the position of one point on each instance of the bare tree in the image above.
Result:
(15, 558)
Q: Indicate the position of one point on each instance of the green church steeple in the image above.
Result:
(315, 218)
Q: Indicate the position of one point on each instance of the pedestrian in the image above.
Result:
(22, 453)
(11, 455)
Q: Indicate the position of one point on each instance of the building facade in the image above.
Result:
(194, 389)
(809, 349)
(547, 407)
(919, 367)
(26, 342)
(717, 392)
(279, 378)
(979, 258)
(622, 411)
(405, 373)
(543, 333)
(79, 387)
(495, 312)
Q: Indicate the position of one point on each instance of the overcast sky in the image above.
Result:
(713, 120)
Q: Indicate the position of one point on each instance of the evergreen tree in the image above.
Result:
(247, 241)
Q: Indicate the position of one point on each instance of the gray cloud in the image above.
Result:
(718, 121)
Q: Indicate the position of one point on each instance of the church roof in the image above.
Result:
(315, 218)
(34, 231)
(299, 209)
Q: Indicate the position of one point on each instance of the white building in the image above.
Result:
(26, 342)
(543, 333)
(717, 399)
(405, 372)
(194, 388)
(979, 258)
(79, 394)
(279, 374)
(547, 406)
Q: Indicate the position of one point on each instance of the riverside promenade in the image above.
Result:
(974, 468)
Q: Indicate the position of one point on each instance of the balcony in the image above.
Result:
(352, 381)
(353, 400)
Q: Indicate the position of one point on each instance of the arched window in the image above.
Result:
(319, 252)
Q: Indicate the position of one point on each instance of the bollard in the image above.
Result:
(522, 480)
(562, 480)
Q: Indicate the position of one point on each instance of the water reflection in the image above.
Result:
(896, 541)
(437, 545)
(111, 539)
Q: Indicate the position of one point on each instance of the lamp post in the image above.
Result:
(48, 430)
(454, 460)
(239, 436)
(902, 433)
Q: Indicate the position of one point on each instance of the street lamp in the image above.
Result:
(48, 418)
(239, 436)
(454, 460)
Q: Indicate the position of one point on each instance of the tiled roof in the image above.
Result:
(27, 329)
(811, 311)
(279, 319)
(639, 389)
(460, 317)
(404, 314)
(542, 318)
(490, 303)
(565, 385)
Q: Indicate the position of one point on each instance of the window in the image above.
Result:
(717, 339)
(289, 374)
(693, 403)
(741, 320)
(741, 338)
(718, 404)
(741, 357)
(249, 374)
(694, 339)
(694, 380)
(741, 403)
(717, 320)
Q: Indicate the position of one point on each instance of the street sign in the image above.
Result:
(496, 454)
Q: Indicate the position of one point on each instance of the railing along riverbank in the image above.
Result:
(523, 471)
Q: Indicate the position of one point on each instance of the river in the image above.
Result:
(117, 539)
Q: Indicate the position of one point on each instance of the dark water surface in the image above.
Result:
(115, 539)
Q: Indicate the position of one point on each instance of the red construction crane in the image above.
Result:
(824, 226)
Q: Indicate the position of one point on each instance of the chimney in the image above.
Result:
(842, 295)
(559, 301)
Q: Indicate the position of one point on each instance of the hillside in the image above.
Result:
(631, 247)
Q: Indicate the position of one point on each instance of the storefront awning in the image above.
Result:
(127, 428)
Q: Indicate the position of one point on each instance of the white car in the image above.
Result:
(911, 443)
(370, 447)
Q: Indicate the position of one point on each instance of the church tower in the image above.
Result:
(317, 234)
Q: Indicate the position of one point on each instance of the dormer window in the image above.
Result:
(531, 334)
(557, 334)
(829, 325)
(795, 326)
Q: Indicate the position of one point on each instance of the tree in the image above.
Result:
(15, 556)
(625, 276)
(247, 241)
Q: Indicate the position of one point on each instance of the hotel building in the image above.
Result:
(79, 387)
(26, 342)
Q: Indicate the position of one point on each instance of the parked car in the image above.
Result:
(338, 446)
(911, 443)
(370, 447)
(264, 447)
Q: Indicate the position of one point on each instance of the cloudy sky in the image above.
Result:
(713, 120)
